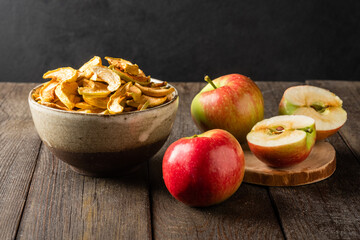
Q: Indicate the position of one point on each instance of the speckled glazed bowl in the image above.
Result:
(104, 145)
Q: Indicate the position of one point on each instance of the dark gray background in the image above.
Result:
(184, 40)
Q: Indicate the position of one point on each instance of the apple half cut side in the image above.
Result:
(282, 141)
(318, 103)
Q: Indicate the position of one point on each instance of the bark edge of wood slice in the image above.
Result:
(319, 165)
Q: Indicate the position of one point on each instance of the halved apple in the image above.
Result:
(318, 103)
(282, 141)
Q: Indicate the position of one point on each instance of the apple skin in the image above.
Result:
(279, 156)
(286, 108)
(285, 155)
(204, 170)
(235, 106)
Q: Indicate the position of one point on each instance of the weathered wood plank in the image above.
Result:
(247, 214)
(65, 205)
(19, 147)
(349, 92)
(324, 210)
(62, 204)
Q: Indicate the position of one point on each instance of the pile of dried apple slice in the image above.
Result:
(94, 88)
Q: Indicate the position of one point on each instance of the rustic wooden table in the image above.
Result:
(41, 198)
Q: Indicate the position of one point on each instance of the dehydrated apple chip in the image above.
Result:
(85, 105)
(55, 105)
(65, 74)
(96, 89)
(116, 103)
(97, 102)
(153, 101)
(161, 92)
(66, 92)
(134, 92)
(47, 91)
(86, 68)
(132, 104)
(143, 106)
(127, 70)
(88, 83)
(107, 76)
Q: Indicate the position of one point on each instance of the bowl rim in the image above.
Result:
(32, 101)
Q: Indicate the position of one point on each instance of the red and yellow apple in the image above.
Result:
(320, 104)
(232, 102)
(282, 141)
(204, 169)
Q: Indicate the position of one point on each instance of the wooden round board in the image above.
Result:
(320, 164)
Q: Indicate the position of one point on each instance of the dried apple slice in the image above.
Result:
(85, 105)
(77, 99)
(129, 109)
(121, 91)
(143, 80)
(80, 77)
(96, 90)
(55, 105)
(124, 65)
(142, 107)
(132, 103)
(36, 94)
(153, 101)
(116, 103)
(65, 74)
(97, 102)
(134, 92)
(88, 83)
(47, 91)
(66, 92)
(107, 76)
(158, 85)
(169, 97)
(86, 68)
(161, 92)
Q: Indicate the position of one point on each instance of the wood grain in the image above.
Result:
(19, 146)
(319, 165)
(65, 205)
(41, 198)
(349, 92)
(324, 210)
(247, 214)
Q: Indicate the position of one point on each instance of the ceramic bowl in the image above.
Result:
(104, 145)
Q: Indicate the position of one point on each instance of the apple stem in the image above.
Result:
(194, 136)
(207, 79)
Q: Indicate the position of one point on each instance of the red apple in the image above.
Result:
(232, 102)
(283, 141)
(204, 169)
